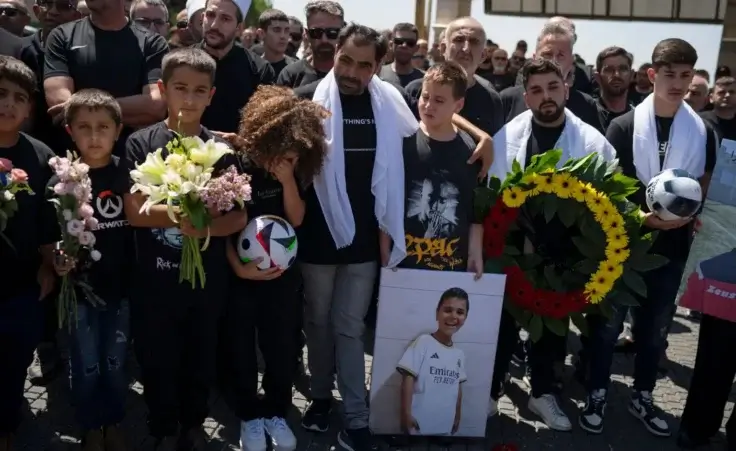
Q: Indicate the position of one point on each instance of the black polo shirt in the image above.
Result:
(121, 62)
(239, 73)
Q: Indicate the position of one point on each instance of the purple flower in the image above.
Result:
(223, 192)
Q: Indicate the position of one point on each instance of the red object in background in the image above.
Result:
(505, 447)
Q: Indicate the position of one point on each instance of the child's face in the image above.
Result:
(188, 92)
(437, 105)
(451, 315)
(289, 158)
(15, 106)
(94, 132)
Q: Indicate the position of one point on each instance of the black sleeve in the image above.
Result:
(155, 51)
(592, 116)
(266, 75)
(711, 148)
(498, 112)
(134, 154)
(48, 230)
(26, 55)
(507, 102)
(412, 92)
(306, 91)
(56, 63)
(622, 142)
(284, 78)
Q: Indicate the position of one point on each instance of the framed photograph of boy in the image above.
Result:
(436, 338)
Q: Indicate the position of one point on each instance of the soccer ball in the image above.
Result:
(674, 194)
(271, 238)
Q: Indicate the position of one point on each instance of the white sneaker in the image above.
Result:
(547, 408)
(282, 438)
(253, 435)
(492, 408)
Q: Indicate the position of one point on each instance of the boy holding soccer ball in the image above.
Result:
(280, 145)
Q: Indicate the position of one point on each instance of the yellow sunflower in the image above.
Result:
(532, 180)
(562, 185)
(616, 237)
(545, 183)
(604, 214)
(595, 202)
(579, 190)
(612, 270)
(614, 222)
(514, 197)
(594, 293)
(617, 255)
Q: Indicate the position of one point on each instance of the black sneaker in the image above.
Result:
(317, 416)
(591, 418)
(519, 356)
(358, 440)
(642, 407)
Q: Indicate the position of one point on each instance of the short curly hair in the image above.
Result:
(275, 121)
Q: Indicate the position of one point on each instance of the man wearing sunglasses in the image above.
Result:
(15, 15)
(401, 71)
(296, 34)
(152, 15)
(324, 21)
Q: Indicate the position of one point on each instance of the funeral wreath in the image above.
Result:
(567, 239)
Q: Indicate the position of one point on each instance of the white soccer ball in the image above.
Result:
(674, 194)
(271, 238)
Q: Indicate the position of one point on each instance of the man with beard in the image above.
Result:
(552, 126)
(106, 51)
(498, 73)
(239, 72)
(324, 21)
(401, 72)
(274, 29)
(463, 44)
(555, 43)
(722, 116)
(613, 74)
(296, 34)
(642, 86)
(579, 77)
(151, 14)
(697, 93)
(15, 15)
(195, 10)
(515, 62)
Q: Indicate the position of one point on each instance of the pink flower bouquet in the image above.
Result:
(12, 181)
(71, 196)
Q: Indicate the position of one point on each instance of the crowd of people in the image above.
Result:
(314, 114)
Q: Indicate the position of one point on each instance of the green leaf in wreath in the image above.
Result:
(546, 161)
(647, 262)
(588, 248)
(536, 328)
(529, 261)
(580, 322)
(493, 266)
(550, 207)
(601, 166)
(3, 220)
(624, 298)
(553, 279)
(511, 250)
(534, 205)
(635, 283)
(587, 266)
(612, 167)
(494, 184)
(516, 166)
(605, 309)
(558, 327)
(642, 246)
(574, 279)
(582, 163)
(516, 312)
(568, 211)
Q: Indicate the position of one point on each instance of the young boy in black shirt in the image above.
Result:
(26, 248)
(277, 153)
(440, 227)
(99, 333)
(175, 325)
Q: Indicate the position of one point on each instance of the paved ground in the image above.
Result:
(49, 424)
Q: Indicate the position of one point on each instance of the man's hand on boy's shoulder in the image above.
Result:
(484, 152)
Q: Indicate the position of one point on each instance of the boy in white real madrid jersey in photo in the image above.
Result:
(432, 371)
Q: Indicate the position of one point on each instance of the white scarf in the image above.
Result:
(394, 121)
(686, 142)
(577, 140)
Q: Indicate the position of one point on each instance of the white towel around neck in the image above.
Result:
(394, 121)
(577, 140)
(686, 142)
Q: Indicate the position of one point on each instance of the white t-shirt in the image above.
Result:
(438, 370)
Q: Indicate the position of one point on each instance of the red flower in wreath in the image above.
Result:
(502, 213)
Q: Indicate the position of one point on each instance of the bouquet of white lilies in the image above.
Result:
(181, 177)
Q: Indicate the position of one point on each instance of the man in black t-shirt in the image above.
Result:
(324, 21)
(613, 72)
(498, 71)
(108, 52)
(10, 44)
(401, 71)
(27, 244)
(463, 44)
(273, 27)
(555, 42)
(723, 115)
(673, 62)
(641, 87)
(239, 71)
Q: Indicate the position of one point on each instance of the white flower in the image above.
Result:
(150, 171)
(67, 214)
(207, 155)
(7, 196)
(95, 255)
(86, 238)
(75, 227)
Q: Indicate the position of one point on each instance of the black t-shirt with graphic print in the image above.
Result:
(158, 251)
(34, 223)
(120, 62)
(439, 192)
(673, 244)
(388, 74)
(110, 276)
(316, 244)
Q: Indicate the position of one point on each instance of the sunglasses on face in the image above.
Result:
(317, 33)
(9, 11)
(60, 6)
(500, 58)
(517, 59)
(417, 57)
(295, 37)
(148, 22)
(182, 24)
(401, 41)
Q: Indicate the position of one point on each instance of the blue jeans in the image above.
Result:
(21, 325)
(99, 345)
(652, 319)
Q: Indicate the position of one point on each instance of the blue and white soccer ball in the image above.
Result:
(674, 194)
(271, 238)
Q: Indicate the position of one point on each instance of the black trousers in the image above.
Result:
(542, 358)
(508, 336)
(263, 314)
(712, 381)
(175, 331)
